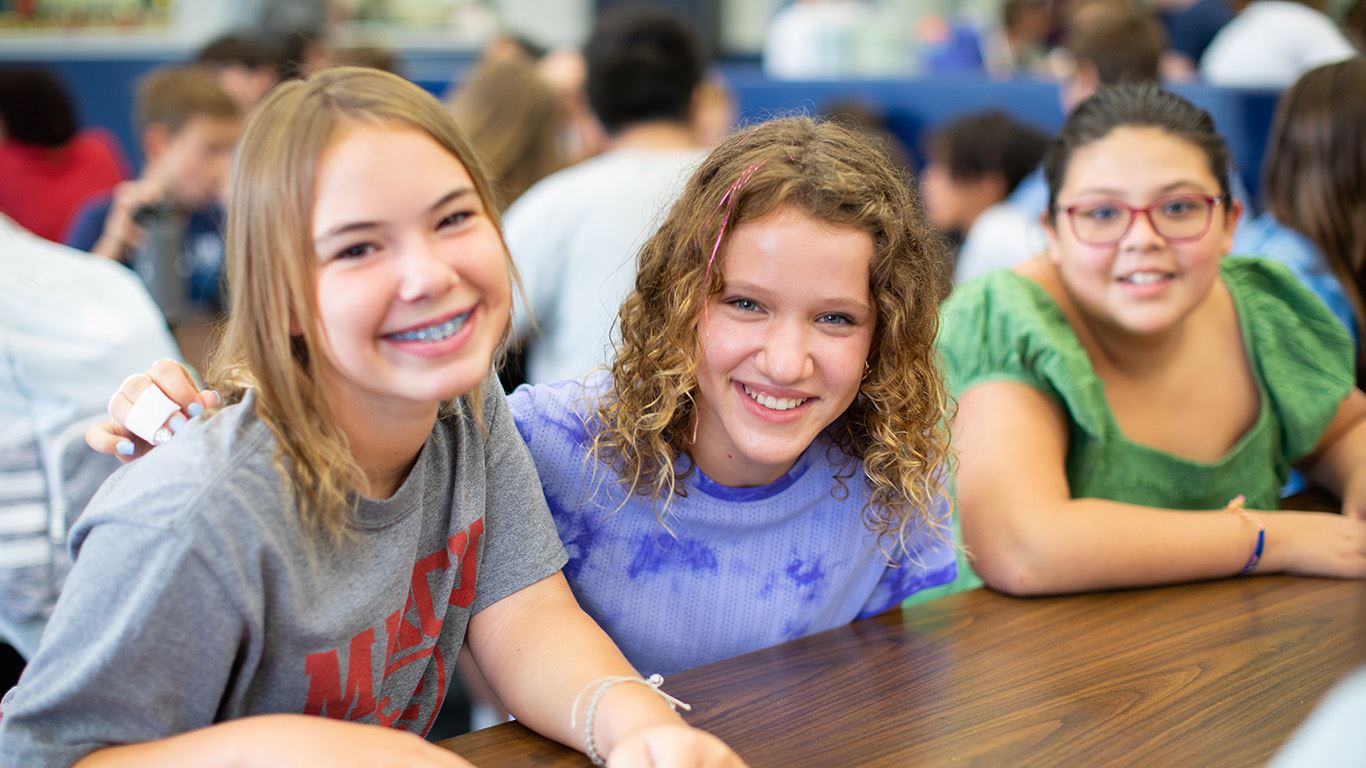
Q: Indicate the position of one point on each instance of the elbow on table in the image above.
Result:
(1010, 564)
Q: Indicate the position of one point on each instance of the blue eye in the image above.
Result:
(1100, 213)
(743, 304)
(1177, 208)
(835, 318)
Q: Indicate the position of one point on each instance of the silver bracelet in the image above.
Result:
(604, 684)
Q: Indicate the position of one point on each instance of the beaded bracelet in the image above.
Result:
(1236, 507)
(605, 684)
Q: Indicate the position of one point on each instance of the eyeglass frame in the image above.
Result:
(1213, 201)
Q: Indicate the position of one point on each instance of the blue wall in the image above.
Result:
(103, 88)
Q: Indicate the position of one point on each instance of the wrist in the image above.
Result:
(1236, 507)
(622, 709)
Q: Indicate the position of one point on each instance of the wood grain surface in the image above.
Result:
(1214, 674)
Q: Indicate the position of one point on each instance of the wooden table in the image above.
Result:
(1215, 674)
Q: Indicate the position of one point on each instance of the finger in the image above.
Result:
(112, 440)
(127, 394)
(173, 380)
(210, 398)
(154, 417)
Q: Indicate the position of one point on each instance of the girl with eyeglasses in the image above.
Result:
(1131, 402)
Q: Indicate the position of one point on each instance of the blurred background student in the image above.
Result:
(188, 127)
(49, 166)
(575, 234)
(509, 114)
(1315, 192)
(247, 66)
(61, 311)
(972, 164)
(1272, 42)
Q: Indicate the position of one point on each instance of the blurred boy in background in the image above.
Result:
(188, 127)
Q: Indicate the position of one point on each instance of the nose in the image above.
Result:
(423, 274)
(1142, 234)
(786, 354)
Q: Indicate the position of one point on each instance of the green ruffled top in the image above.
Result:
(1005, 326)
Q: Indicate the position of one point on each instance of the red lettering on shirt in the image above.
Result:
(409, 636)
(325, 692)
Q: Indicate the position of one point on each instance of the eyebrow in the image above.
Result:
(1120, 192)
(352, 226)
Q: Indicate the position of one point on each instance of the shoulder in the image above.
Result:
(1000, 323)
(1272, 288)
(1276, 308)
(1006, 327)
(98, 145)
(1300, 351)
(223, 462)
(566, 409)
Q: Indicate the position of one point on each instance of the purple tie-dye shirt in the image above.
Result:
(744, 568)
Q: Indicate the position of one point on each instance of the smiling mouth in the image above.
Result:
(435, 332)
(1146, 277)
(774, 403)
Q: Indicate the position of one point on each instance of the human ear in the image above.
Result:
(155, 137)
(1047, 220)
(1231, 219)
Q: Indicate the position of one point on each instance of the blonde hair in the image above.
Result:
(898, 425)
(510, 115)
(272, 338)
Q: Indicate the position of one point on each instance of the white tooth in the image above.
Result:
(1145, 278)
(773, 403)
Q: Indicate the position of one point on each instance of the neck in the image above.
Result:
(1136, 354)
(655, 136)
(385, 441)
(1140, 355)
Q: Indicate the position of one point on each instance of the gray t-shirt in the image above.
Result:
(194, 598)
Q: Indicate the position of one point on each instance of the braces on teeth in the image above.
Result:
(434, 332)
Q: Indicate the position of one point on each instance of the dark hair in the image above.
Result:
(1143, 106)
(241, 50)
(35, 108)
(987, 143)
(1013, 10)
(1315, 173)
(1123, 43)
(643, 64)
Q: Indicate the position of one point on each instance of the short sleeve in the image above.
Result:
(1004, 327)
(141, 646)
(930, 560)
(1301, 352)
(521, 546)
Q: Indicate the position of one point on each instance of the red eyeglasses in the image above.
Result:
(1177, 218)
